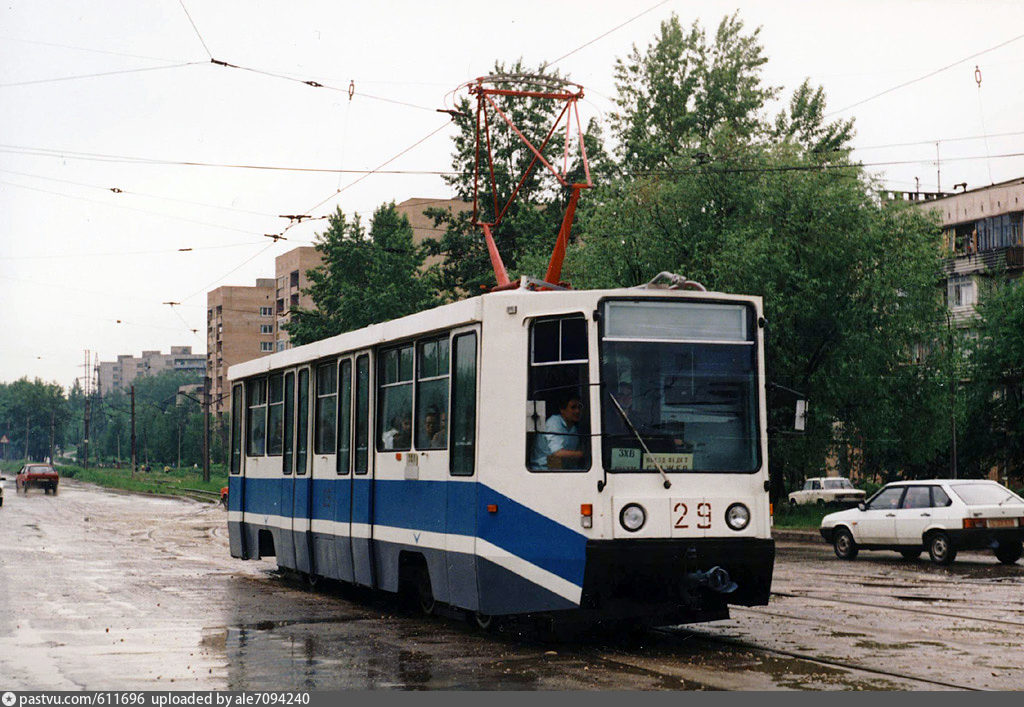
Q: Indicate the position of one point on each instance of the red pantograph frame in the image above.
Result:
(570, 111)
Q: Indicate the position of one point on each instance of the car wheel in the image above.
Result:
(821, 502)
(1009, 551)
(792, 502)
(844, 545)
(940, 549)
(911, 554)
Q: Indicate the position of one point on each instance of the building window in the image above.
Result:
(280, 306)
(295, 300)
(267, 346)
(294, 278)
(266, 311)
(266, 328)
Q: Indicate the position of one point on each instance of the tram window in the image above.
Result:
(326, 407)
(463, 415)
(559, 431)
(275, 415)
(289, 423)
(432, 394)
(237, 401)
(394, 412)
(256, 420)
(302, 429)
(344, 417)
(362, 440)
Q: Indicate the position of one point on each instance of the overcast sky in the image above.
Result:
(83, 267)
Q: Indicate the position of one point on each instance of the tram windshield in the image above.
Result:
(679, 387)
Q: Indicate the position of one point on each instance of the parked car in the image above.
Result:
(833, 489)
(941, 516)
(42, 476)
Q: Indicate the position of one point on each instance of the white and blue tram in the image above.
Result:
(420, 455)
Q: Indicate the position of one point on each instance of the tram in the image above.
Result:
(600, 453)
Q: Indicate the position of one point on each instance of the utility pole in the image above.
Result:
(206, 428)
(86, 440)
(133, 433)
(53, 424)
(27, 418)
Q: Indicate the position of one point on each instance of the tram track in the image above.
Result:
(891, 607)
(684, 633)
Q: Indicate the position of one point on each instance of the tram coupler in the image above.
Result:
(716, 579)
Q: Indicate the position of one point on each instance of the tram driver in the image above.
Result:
(560, 446)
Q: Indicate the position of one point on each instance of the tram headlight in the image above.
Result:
(737, 516)
(632, 517)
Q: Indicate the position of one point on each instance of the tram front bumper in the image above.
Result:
(667, 572)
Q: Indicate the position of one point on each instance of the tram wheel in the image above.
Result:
(425, 593)
(485, 622)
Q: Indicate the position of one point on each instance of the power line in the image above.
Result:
(120, 253)
(118, 190)
(89, 49)
(582, 46)
(922, 78)
(201, 40)
(101, 157)
(105, 73)
(127, 208)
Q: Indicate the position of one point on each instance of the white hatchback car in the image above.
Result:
(941, 516)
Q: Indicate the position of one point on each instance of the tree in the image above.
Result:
(995, 391)
(365, 277)
(776, 210)
(36, 409)
(686, 97)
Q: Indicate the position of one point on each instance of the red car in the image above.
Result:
(40, 475)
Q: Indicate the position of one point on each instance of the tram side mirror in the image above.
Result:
(535, 415)
(800, 421)
(861, 506)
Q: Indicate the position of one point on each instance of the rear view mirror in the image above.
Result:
(861, 506)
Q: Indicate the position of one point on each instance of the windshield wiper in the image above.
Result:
(668, 484)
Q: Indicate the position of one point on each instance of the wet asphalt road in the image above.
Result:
(102, 590)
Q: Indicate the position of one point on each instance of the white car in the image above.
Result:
(941, 516)
(833, 489)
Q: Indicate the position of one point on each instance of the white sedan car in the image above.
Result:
(941, 516)
(822, 490)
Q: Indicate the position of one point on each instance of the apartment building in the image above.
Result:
(983, 230)
(290, 280)
(422, 225)
(240, 326)
(122, 373)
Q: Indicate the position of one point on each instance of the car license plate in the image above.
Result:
(1002, 523)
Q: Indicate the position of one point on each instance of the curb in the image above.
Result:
(797, 535)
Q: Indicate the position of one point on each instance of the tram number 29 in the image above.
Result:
(696, 512)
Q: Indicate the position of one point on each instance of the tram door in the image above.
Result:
(302, 508)
(286, 547)
(342, 506)
(361, 524)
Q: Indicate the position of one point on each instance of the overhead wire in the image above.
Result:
(90, 49)
(119, 190)
(925, 76)
(101, 74)
(602, 36)
(192, 22)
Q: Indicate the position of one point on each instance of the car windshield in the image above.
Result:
(838, 484)
(986, 494)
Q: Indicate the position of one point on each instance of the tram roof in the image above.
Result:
(446, 316)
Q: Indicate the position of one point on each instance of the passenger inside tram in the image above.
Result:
(560, 447)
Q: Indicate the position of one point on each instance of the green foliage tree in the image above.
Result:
(715, 191)
(366, 277)
(36, 409)
(995, 392)
(687, 97)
